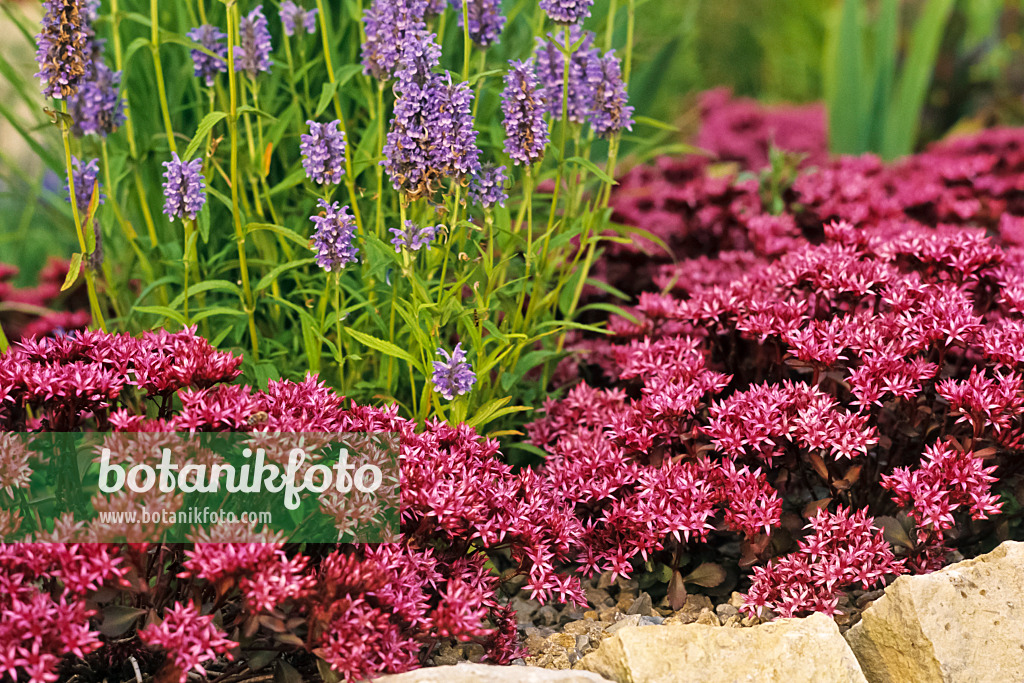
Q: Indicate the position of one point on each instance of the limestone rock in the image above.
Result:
(791, 650)
(961, 624)
(484, 673)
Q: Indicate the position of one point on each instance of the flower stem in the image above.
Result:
(350, 184)
(448, 242)
(154, 48)
(133, 150)
(4, 344)
(90, 276)
(186, 261)
(337, 329)
(609, 27)
(248, 302)
(380, 169)
(467, 42)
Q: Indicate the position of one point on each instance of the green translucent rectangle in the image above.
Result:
(204, 487)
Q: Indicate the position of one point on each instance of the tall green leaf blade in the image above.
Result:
(847, 120)
(885, 52)
(904, 115)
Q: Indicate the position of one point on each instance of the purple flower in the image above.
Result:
(63, 52)
(584, 73)
(526, 131)
(97, 107)
(394, 27)
(487, 186)
(413, 237)
(292, 15)
(485, 20)
(207, 66)
(184, 188)
(334, 236)
(432, 135)
(434, 6)
(453, 375)
(611, 111)
(252, 54)
(323, 152)
(85, 176)
(567, 11)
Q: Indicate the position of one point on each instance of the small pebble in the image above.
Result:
(708, 618)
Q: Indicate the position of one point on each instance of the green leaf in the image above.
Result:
(132, 48)
(269, 278)
(206, 286)
(384, 347)
(903, 117)
(163, 311)
(284, 232)
(74, 270)
(654, 123)
(290, 181)
(249, 109)
(885, 52)
(492, 410)
(326, 93)
(592, 167)
(205, 126)
(845, 75)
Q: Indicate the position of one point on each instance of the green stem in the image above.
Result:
(90, 276)
(337, 330)
(467, 42)
(380, 169)
(528, 198)
(133, 150)
(154, 48)
(186, 262)
(350, 184)
(291, 72)
(627, 67)
(248, 302)
(448, 242)
(565, 132)
(4, 344)
(609, 27)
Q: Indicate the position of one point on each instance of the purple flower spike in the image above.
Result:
(567, 11)
(394, 27)
(84, 176)
(432, 135)
(63, 51)
(453, 375)
(611, 111)
(184, 188)
(485, 20)
(206, 66)
(526, 131)
(323, 152)
(487, 186)
(292, 16)
(413, 237)
(584, 73)
(334, 236)
(252, 54)
(97, 107)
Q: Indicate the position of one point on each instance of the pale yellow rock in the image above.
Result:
(961, 624)
(807, 650)
(484, 673)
